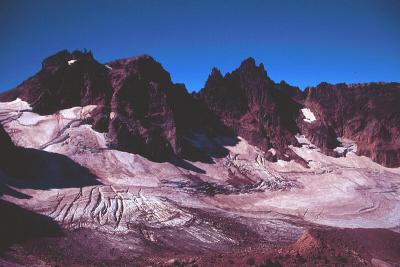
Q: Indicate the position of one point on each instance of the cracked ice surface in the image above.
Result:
(162, 201)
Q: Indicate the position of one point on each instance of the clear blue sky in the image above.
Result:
(301, 42)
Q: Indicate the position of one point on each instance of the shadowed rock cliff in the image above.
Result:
(144, 112)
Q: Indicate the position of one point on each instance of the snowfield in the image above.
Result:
(164, 203)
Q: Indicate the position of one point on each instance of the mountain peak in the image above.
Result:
(143, 65)
(215, 76)
(216, 72)
(145, 112)
(129, 60)
(59, 58)
(248, 62)
(249, 66)
(64, 58)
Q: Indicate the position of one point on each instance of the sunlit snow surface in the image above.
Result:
(144, 197)
(16, 105)
(70, 62)
(309, 116)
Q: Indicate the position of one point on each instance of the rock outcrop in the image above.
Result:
(138, 106)
(368, 114)
(255, 107)
(65, 80)
(144, 112)
(150, 115)
(269, 114)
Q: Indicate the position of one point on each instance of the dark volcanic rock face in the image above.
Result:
(369, 114)
(141, 116)
(137, 104)
(143, 112)
(65, 80)
(150, 115)
(259, 110)
(268, 115)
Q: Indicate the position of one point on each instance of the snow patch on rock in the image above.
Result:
(16, 105)
(273, 151)
(309, 115)
(70, 62)
(281, 163)
(347, 146)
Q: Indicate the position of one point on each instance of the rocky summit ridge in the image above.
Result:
(116, 164)
(144, 112)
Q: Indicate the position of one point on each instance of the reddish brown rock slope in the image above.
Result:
(255, 107)
(144, 112)
(369, 114)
